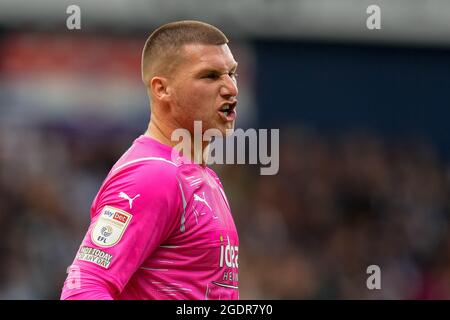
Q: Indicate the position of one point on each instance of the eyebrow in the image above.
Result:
(216, 70)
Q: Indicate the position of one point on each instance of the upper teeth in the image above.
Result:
(226, 107)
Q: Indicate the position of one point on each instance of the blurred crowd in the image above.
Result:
(339, 204)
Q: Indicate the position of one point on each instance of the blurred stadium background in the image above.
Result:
(364, 129)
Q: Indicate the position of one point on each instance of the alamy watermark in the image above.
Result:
(373, 21)
(73, 21)
(374, 280)
(73, 280)
(252, 145)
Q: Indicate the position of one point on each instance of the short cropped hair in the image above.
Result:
(162, 49)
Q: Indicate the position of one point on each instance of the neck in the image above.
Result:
(163, 133)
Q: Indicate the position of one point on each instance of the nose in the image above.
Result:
(229, 88)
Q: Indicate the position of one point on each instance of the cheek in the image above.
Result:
(187, 96)
(186, 109)
(198, 100)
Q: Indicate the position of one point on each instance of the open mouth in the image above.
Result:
(228, 111)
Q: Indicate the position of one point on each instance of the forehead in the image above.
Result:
(198, 56)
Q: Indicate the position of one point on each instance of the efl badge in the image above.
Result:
(110, 226)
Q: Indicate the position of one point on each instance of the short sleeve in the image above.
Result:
(135, 211)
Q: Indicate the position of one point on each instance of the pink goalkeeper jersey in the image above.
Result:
(159, 230)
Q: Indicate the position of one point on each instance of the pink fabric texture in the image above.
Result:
(160, 229)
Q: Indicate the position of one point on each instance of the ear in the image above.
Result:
(159, 88)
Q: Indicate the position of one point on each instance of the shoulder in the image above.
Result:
(146, 170)
(151, 177)
(142, 184)
(151, 163)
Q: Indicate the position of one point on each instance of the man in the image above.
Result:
(161, 226)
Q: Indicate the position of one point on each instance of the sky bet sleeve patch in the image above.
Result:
(110, 226)
(96, 256)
